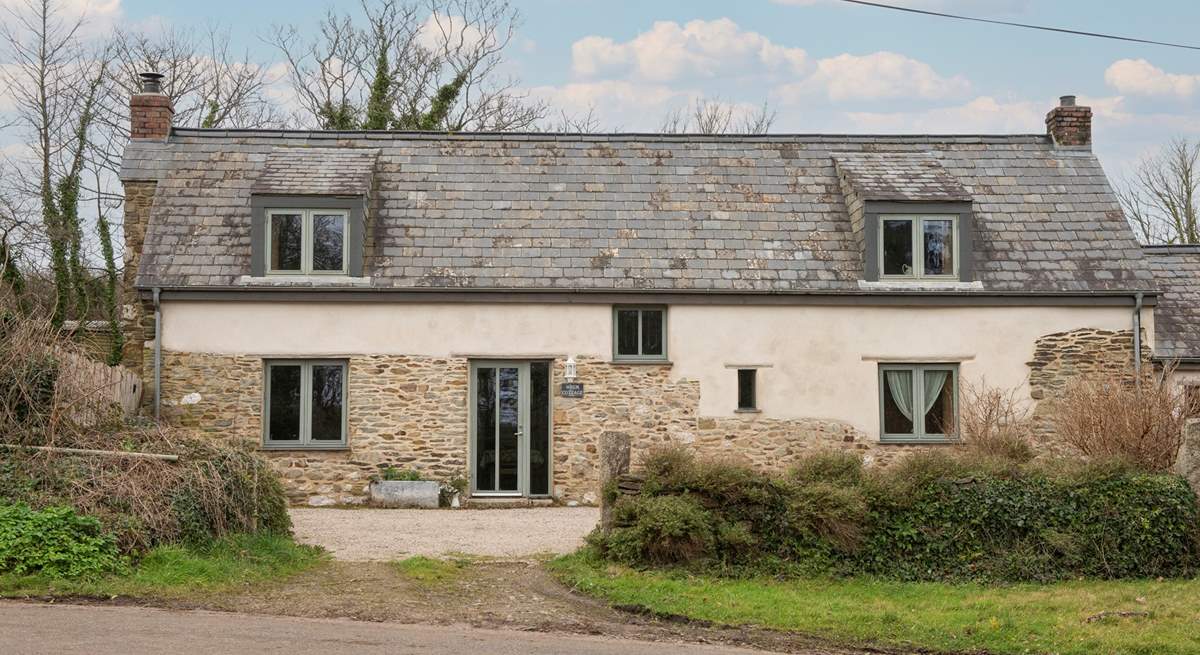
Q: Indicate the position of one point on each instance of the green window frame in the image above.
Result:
(623, 340)
(307, 231)
(917, 243)
(303, 371)
(900, 397)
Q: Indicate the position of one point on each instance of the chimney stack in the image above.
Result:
(1069, 124)
(150, 111)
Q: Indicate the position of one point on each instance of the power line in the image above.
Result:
(1024, 25)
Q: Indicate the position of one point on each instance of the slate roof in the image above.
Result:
(1177, 317)
(904, 177)
(636, 212)
(317, 171)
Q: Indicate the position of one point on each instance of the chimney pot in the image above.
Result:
(1069, 124)
(151, 82)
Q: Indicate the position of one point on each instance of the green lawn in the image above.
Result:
(955, 618)
(176, 571)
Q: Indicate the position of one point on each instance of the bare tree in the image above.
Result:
(1162, 198)
(54, 81)
(712, 116)
(409, 54)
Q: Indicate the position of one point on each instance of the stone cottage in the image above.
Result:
(484, 306)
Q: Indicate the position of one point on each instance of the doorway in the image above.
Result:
(510, 428)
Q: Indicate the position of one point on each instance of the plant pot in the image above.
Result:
(405, 493)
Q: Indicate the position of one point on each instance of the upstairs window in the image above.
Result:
(306, 241)
(639, 333)
(919, 247)
(918, 402)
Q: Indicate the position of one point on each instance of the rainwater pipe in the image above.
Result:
(157, 354)
(1137, 335)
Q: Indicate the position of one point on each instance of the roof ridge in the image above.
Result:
(603, 136)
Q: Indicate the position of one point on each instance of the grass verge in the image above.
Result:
(1069, 618)
(183, 571)
(430, 571)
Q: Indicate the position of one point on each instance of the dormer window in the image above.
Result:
(306, 238)
(919, 247)
(306, 241)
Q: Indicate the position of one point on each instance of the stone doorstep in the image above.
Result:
(485, 502)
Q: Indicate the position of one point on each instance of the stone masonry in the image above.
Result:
(139, 196)
(411, 412)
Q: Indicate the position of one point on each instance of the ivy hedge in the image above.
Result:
(931, 517)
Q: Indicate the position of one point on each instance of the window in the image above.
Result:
(918, 402)
(919, 246)
(639, 333)
(747, 391)
(305, 404)
(306, 241)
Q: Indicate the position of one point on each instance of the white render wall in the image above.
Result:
(821, 360)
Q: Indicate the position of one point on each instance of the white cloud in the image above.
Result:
(1139, 77)
(877, 76)
(671, 52)
(440, 29)
(97, 17)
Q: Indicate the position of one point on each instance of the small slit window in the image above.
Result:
(305, 405)
(919, 246)
(640, 333)
(918, 402)
(306, 242)
(747, 389)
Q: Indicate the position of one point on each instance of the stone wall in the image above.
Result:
(407, 412)
(135, 319)
(412, 412)
(1061, 357)
(1188, 464)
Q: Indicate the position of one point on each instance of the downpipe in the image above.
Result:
(157, 354)
(1137, 335)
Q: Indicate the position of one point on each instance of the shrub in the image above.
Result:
(933, 515)
(54, 542)
(391, 473)
(1135, 418)
(660, 530)
(993, 422)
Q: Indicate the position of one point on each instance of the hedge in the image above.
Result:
(933, 517)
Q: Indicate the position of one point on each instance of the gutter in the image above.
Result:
(157, 354)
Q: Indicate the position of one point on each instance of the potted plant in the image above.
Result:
(394, 487)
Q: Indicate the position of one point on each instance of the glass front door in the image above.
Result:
(510, 428)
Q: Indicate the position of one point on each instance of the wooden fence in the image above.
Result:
(88, 391)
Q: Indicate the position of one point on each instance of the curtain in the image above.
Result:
(901, 387)
(934, 381)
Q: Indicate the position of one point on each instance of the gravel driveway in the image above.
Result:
(389, 534)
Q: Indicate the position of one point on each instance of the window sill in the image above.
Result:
(919, 285)
(643, 362)
(747, 411)
(288, 280)
(304, 449)
(919, 442)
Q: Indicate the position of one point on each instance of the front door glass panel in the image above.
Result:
(508, 429)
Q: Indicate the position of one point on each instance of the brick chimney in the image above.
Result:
(1069, 124)
(150, 111)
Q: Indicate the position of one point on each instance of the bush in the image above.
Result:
(391, 473)
(931, 516)
(660, 530)
(1135, 418)
(54, 542)
(993, 422)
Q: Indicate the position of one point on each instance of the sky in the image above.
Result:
(822, 65)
